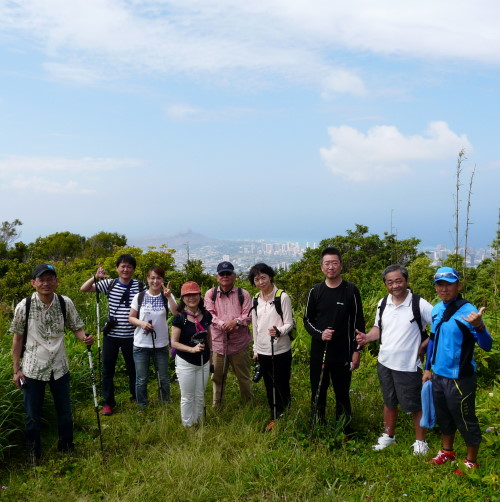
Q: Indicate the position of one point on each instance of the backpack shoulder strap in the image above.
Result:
(25, 332)
(63, 307)
(415, 306)
(381, 309)
(241, 298)
(111, 285)
(214, 293)
(142, 286)
(140, 301)
(277, 303)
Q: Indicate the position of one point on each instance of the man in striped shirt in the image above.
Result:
(119, 333)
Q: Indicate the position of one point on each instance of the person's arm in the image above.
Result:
(364, 338)
(254, 332)
(286, 307)
(475, 319)
(89, 286)
(177, 345)
(135, 321)
(210, 306)
(172, 304)
(17, 346)
(81, 335)
(310, 317)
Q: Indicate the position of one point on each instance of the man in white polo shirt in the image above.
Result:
(399, 322)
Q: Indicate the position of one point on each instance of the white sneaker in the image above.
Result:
(420, 447)
(384, 441)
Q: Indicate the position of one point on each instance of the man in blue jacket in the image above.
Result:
(456, 326)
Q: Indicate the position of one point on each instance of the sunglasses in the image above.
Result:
(445, 275)
(225, 273)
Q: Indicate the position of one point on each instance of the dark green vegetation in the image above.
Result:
(150, 456)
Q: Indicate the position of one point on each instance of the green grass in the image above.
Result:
(151, 457)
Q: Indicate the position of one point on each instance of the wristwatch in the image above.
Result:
(238, 323)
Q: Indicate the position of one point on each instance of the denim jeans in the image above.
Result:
(142, 358)
(34, 394)
(111, 345)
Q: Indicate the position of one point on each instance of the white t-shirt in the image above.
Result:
(153, 311)
(401, 337)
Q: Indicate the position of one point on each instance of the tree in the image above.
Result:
(9, 232)
(102, 244)
(57, 247)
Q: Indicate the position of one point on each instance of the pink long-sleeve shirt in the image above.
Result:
(226, 308)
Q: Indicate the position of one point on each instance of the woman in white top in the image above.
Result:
(149, 313)
(271, 340)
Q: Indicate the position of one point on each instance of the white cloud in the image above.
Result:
(385, 151)
(50, 174)
(248, 42)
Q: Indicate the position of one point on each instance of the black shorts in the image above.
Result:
(401, 387)
(455, 403)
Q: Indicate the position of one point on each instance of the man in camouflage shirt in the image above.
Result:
(44, 360)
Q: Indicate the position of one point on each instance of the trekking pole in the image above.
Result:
(224, 369)
(94, 392)
(203, 386)
(160, 390)
(98, 326)
(316, 399)
(274, 383)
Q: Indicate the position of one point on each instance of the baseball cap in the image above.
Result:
(190, 288)
(225, 266)
(42, 268)
(447, 274)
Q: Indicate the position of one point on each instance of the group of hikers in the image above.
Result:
(211, 333)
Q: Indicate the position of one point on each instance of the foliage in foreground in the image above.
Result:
(150, 456)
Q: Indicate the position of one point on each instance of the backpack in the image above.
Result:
(28, 306)
(241, 298)
(415, 307)
(279, 309)
(140, 300)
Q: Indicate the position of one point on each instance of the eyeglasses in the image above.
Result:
(446, 275)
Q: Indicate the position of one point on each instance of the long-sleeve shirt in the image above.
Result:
(265, 317)
(338, 308)
(227, 307)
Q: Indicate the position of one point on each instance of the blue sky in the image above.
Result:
(274, 119)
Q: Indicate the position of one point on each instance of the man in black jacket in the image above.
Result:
(333, 313)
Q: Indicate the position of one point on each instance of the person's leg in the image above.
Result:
(141, 360)
(218, 377)
(266, 371)
(282, 370)
(201, 379)
(60, 392)
(110, 348)
(34, 394)
(161, 356)
(420, 431)
(186, 373)
(390, 419)
(341, 380)
(127, 346)
(318, 401)
(241, 366)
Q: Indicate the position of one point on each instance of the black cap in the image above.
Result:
(225, 266)
(42, 268)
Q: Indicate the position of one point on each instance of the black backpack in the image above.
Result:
(28, 307)
(415, 307)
